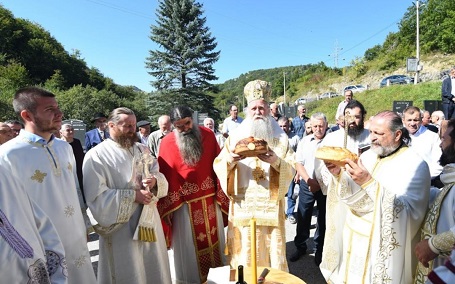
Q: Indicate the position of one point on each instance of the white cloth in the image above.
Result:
(110, 196)
(373, 228)
(426, 143)
(48, 173)
(27, 237)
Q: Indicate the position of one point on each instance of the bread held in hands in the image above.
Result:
(251, 147)
(335, 155)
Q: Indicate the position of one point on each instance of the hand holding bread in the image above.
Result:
(335, 155)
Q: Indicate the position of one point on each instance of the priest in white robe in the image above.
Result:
(438, 228)
(382, 201)
(122, 184)
(256, 185)
(46, 168)
(30, 248)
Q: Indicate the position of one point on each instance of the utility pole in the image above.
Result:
(284, 87)
(336, 54)
(416, 78)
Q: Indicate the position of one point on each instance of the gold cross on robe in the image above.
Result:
(258, 172)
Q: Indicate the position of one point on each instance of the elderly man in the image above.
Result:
(46, 168)
(298, 122)
(67, 134)
(144, 131)
(426, 121)
(194, 205)
(98, 134)
(424, 142)
(438, 229)
(274, 112)
(256, 185)
(15, 126)
(154, 140)
(381, 203)
(210, 124)
(122, 185)
(6, 133)
(437, 117)
(310, 192)
(231, 122)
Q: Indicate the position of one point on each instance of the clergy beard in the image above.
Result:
(261, 128)
(126, 140)
(190, 145)
(383, 151)
(356, 130)
(447, 156)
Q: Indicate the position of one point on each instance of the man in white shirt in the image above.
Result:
(348, 96)
(423, 141)
(231, 122)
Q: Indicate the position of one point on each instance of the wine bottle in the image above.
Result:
(240, 275)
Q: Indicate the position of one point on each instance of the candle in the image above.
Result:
(254, 276)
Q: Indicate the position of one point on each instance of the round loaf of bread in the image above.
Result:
(251, 147)
(335, 155)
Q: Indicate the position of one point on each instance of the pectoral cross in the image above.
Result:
(258, 172)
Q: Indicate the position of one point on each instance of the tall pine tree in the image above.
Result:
(183, 65)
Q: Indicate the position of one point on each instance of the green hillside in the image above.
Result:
(381, 99)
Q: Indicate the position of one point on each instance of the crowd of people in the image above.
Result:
(386, 217)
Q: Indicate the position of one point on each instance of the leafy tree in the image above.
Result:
(183, 67)
(372, 53)
(437, 26)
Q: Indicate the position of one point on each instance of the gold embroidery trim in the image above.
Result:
(127, 197)
(443, 242)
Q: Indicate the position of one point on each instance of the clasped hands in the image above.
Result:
(357, 171)
(143, 194)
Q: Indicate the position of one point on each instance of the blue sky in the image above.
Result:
(113, 35)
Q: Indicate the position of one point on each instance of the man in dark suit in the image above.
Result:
(97, 135)
(448, 95)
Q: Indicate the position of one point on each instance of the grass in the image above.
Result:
(381, 99)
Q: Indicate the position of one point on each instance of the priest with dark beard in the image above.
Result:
(193, 209)
(256, 186)
(122, 184)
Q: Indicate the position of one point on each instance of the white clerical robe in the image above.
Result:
(375, 242)
(30, 248)
(109, 192)
(256, 190)
(440, 222)
(47, 170)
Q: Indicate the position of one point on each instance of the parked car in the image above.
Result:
(396, 80)
(300, 101)
(355, 88)
(327, 95)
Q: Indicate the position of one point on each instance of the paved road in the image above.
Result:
(304, 268)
